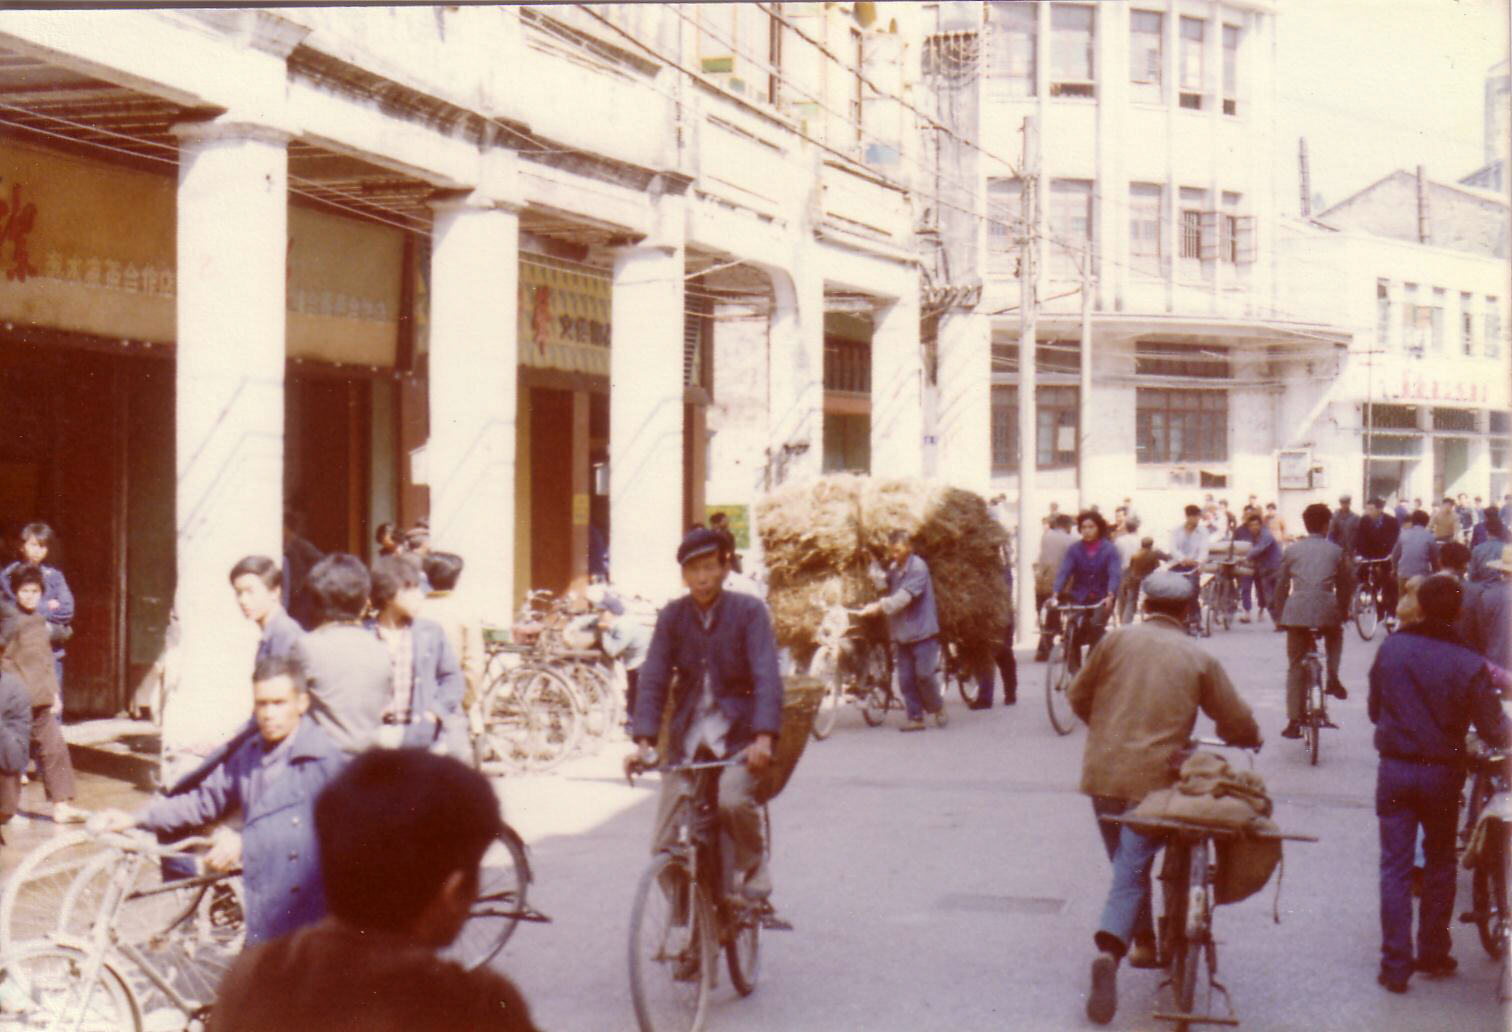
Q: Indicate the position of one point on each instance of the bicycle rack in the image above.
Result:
(1230, 1020)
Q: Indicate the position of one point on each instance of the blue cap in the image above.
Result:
(698, 542)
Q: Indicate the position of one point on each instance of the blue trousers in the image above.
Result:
(1409, 796)
(1126, 915)
(917, 663)
(1002, 661)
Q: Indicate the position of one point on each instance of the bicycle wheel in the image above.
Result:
(1194, 932)
(956, 670)
(35, 890)
(743, 949)
(504, 876)
(672, 943)
(1313, 727)
(1057, 680)
(1227, 603)
(879, 695)
(1366, 613)
(532, 720)
(43, 985)
(1488, 892)
(834, 696)
(1207, 619)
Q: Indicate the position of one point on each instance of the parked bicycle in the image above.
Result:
(1487, 837)
(1314, 699)
(1065, 661)
(686, 910)
(854, 662)
(1368, 608)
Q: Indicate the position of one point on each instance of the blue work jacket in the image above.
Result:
(1093, 577)
(54, 589)
(1265, 550)
(1426, 689)
(911, 587)
(738, 652)
(280, 858)
(280, 636)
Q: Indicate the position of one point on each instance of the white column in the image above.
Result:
(470, 456)
(897, 416)
(796, 394)
(229, 398)
(646, 420)
(965, 401)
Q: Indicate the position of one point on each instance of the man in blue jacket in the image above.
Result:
(915, 627)
(272, 779)
(426, 704)
(1426, 689)
(1264, 558)
(714, 650)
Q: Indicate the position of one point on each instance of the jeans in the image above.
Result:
(1126, 915)
(1004, 663)
(1299, 644)
(1409, 795)
(917, 663)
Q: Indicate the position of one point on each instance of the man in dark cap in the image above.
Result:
(1343, 525)
(715, 651)
(1139, 692)
(1313, 591)
(1375, 538)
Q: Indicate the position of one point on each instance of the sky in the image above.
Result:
(1377, 85)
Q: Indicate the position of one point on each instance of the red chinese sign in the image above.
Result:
(1416, 387)
(16, 223)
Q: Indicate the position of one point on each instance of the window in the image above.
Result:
(1070, 226)
(1004, 430)
(1501, 423)
(1167, 358)
(1146, 55)
(1436, 319)
(1228, 229)
(1192, 75)
(847, 365)
(1005, 213)
(1072, 67)
(1050, 356)
(1014, 37)
(1391, 417)
(1412, 338)
(1467, 325)
(1383, 313)
(1145, 227)
(1493, 328)
(1456, 419)
(1055, 415)
(1231, 69)
(1193, 244)
(1180, 425)
(739, 45)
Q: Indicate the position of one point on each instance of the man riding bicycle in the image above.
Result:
(1189, 550)
(1313, 594)
(716, 651)
(1375, 537)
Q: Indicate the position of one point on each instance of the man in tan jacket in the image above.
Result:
(1139, 693)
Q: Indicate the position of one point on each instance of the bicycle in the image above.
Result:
(1220, 597)
(531, 715)
(1487, 838)
(686, 911)
(855, 664)
(1065, 661)
(1368, 607)
(1314, 700)
(956, 670)
(1184, 930)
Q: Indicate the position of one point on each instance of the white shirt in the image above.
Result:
(1190, 545)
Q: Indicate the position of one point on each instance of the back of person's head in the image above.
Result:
(1063, 521)
(443, 570)
(261, 567)
(1147, 543)
(1455, 555)
(1439, 597)
(24, 574)
(1131, 524)
(392, 574)
(338, 586)
(1315, 518)
(1192, 510)
(393, 827)
(1419, 518)
(1494, 526)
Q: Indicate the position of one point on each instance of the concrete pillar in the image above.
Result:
(965, 400)
(582, 487)
(796, 394)
(470, 456)
(897, 419)
(232, 241)
(646, 419)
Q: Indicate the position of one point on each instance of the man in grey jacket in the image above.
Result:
(349, 670)
(915, 626)
(1413, 554)
(1315, 585)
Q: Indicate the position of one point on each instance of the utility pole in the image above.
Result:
(1084, 397)
(1028, 512)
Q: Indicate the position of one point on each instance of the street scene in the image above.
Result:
(820, 516)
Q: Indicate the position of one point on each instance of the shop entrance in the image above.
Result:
(1451, 463)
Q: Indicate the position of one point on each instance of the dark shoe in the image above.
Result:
(1293, 729)
(1417, 881)
(1040, 656)
(1440, 968)
(1337, 690)
(913, 725)
(980, 704)
(1391, 984)
(1143, 955)
(1278, 629)
(1011, 700)
(1102, 1000)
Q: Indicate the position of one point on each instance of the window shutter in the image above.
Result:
(1244, 239)
(1209, 245)
(693, 323)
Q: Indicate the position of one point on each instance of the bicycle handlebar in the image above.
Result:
(143, 842)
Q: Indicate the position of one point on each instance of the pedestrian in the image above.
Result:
(1141, 564)
(1402, 513)
(1506, 510)
(1415, 553)
(1002, 659)
(915, 629)
(401, 836)
(1314, 587)
(1464, 514)
(1454, 559)
(463, 630)
(1264, 558)
(15, 742)
(349, 671)
(1426, 689)
(299, 558)
(28, 657)
(1275, 524)
(626, 628)
(1189, 551)
(1343, 526)
(718, 648)
(1139, 694)
(424, 709)
(272, 780)
(417, 543)
(1487, 539)
(1444, 524)
(1053, 545)
(57, 606)
(1489, 617)
(258, 583)
(387, 539)
(1089, 575)
(1226, 522)
(1127, 544)
(1375, 538)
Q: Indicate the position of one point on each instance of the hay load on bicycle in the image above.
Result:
(821, 536)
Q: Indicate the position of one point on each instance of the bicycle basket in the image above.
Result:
(800, 704)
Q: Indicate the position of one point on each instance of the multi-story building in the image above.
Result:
(339, 266)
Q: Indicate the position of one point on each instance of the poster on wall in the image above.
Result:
(739, 517)
(1294, 470)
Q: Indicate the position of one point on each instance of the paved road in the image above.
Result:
(952, 879)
